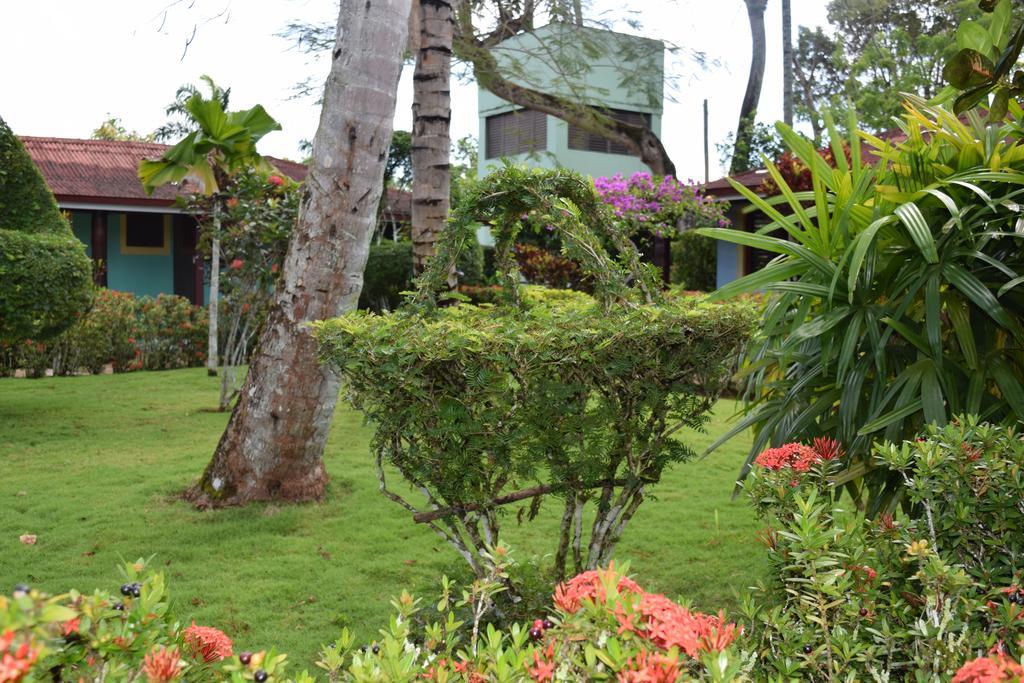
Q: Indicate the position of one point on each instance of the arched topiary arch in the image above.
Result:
(566, 203)
(45, 275)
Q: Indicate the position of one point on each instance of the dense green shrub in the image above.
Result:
(896, 597)
(896, 297)
(550, 392)
(389, 273)
(128, 333)
(44, 272)
(694, 262)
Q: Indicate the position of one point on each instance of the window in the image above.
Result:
(592, 142)
(145, 233)
(516, 132)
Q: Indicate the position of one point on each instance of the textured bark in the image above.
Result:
(431, 120)
(273, 446)
(787, 63)
(748, 110)
(211, 340)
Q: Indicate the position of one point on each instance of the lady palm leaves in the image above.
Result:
(895, 299)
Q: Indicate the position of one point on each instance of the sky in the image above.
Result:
(68, 65)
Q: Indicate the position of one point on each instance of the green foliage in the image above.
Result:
(389, 273)
(128, 333)
(984, 63)
(694, 262)
(895, 298)
(44, 272)
(893, 598)
(462, 396)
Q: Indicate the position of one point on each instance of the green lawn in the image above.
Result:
(93, 466)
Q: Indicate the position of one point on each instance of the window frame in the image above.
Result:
(164, 250)
(580, 140)
(537, 129)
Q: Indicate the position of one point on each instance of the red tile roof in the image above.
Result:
(106, 171)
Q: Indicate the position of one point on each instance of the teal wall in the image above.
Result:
(140, 274)
(81, 225)
(629, 75)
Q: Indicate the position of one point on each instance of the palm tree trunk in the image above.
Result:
(273, 446)
(431, 138)
(211, 342)
(787, 63)
(748, 110)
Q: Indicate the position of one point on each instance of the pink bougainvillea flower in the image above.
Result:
(162, 665)
(989, 670)
(276, 180)
(649, 667)
(207, 643)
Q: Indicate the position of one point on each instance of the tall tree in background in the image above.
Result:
(431, 123)
(881, 48)
(752, 95)
(787, 63)
(273, 446)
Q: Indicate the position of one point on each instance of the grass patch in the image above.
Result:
(94, 465)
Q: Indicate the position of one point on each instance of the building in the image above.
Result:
(142, 244)
(619, 72)
(733, 261)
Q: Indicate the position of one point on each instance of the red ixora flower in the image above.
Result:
(989, 670)
(276, 180)
(207, 643)
(795, 456)
(162, 665)
(237, 264)
(15, 662)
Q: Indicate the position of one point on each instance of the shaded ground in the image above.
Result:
(93, 465)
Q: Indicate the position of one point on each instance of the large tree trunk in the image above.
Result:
(748, 110)
(787, 63)
(273, 446)
(431, 119)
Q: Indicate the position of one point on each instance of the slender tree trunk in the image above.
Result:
(431, 120)
(273, 446)
(787, 63)
(748, 110)
(577, 9)
(211, 341)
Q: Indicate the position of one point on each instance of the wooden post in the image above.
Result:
(99, 247)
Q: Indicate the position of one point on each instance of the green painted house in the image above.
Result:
(620, 73)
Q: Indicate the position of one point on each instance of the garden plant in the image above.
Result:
(463, 397)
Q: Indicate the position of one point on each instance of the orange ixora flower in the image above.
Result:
(649, 667)
(15, 662)
(162, 665)
(207, 643)
(993, 669)
(590, 585)
(668, 624)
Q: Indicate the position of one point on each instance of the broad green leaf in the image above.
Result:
(959, 316)
(754, 282)
(891, 417)
(977, 292)
(932, 403)
(967, 69)
(971, 35)
(999, 24)
(917, 227)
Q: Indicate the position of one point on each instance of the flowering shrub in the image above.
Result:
(126, 332)
(661, 205)
(611, 630)
(893, 596)
(990, 670)
(542, 267)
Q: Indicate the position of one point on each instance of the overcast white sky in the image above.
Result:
(66, 64)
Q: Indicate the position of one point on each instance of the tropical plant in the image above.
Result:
(222, 144)
(894, 298)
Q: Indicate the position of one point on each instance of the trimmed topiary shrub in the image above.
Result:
(694, 264)
(45, 276)
(549, 394)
